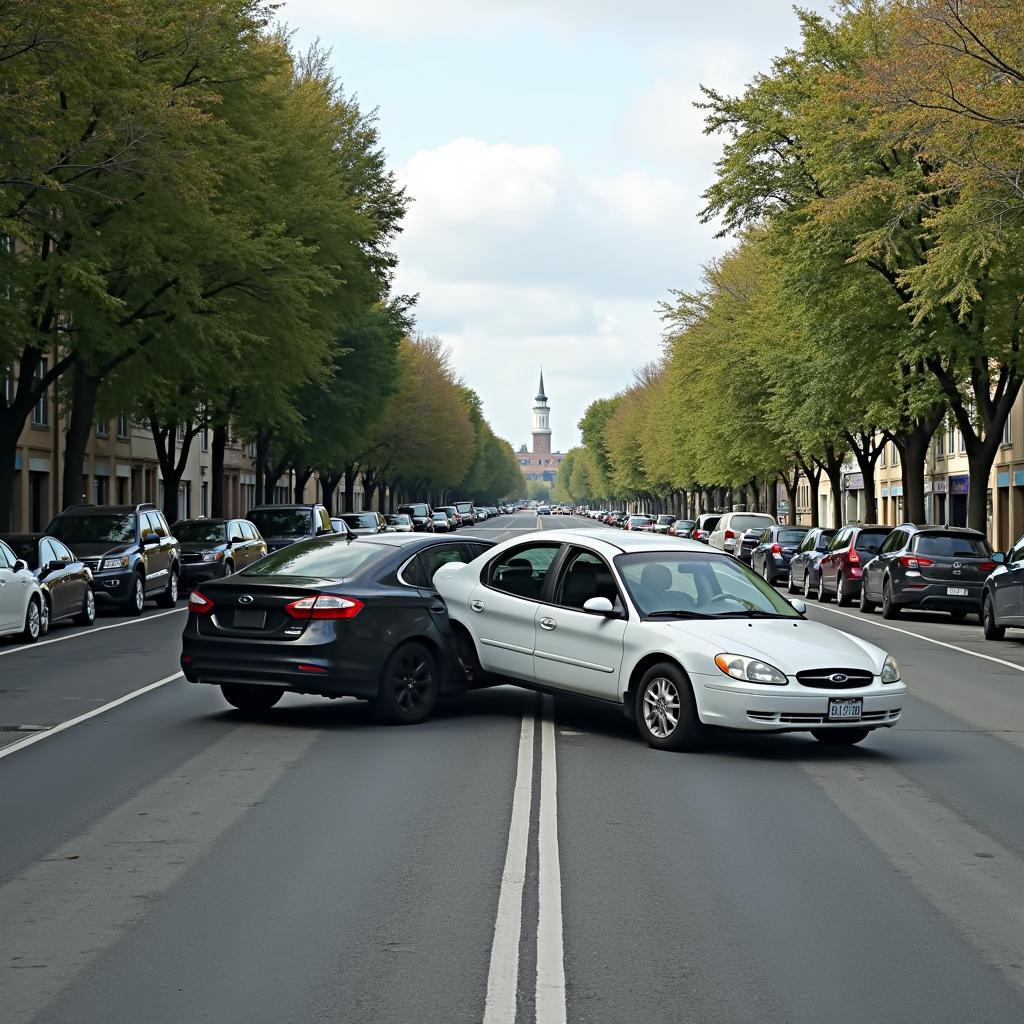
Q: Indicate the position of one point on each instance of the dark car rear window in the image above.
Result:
(869, 541)
(360, 520)
(419, 511)
(791, 536)
(326, 558)
(199, 531)
(952, 545)
(281, 522)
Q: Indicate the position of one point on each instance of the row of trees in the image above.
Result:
(197, 226)
(872, 181)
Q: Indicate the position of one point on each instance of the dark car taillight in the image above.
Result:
(324, 606)
(199, 603)
(915, 562)
(854, 559)
(776, 549)
(987, 566)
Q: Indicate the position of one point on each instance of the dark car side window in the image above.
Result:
(869, 541)
(893, 542)
(148, 525)
(47, 553)
(839, 541)
(523, 571)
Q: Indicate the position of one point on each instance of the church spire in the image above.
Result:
(541, 397)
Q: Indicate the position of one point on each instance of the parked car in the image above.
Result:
(21, 598)
(465, 510)
(803, 568)
(282, 525)
(441, 523)
(681, 528)
(705, 526)
(543, 510)
(775, 548)
(642, 523)
(454, 519)
(363, 524)
(399, 522)
(212, 548)
(746, 542)
(129, 549)
(839, 571)
(420, 513)
(480, 514)
(1002, 601)
(332, 617)
(677, 634)
(935, 568)
(65, 582)
(663, 522)
(733, 524)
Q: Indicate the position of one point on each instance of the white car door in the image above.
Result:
(12, 593)
(579, 650)
(504, 609)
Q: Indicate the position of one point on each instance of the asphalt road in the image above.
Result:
(512, 860)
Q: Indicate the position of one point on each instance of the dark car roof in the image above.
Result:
(91, 510)
(201, 519)
(962, 531)
(299, 505)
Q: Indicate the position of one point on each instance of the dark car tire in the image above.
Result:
(890, 610)
(45, 617)
(408, 686)
(87, 616)
(790, 586)
(137, 602)
(169, 597)
(864, 604)
(839, 737)
(807, 584)
(822, 593)
(992, 630)
(250, 697)
(667, 682)
(842, 594)
(33, 623)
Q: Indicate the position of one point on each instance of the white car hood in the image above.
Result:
(791, 645)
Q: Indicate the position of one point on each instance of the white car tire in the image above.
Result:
(666, 713)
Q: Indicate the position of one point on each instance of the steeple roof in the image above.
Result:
(541, 397)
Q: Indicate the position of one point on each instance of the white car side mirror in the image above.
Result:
(799, 606)
(446, 570)
(600, 605)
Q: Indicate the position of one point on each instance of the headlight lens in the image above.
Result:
(890, 670)
(121, 562)
(212, 556)
(750, 670)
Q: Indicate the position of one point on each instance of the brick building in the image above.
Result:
(540, 464)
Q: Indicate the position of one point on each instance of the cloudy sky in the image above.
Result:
(556, 165)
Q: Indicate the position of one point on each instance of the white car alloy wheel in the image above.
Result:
(661, 707)
(33, 623)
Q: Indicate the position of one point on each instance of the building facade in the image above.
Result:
(540, 464)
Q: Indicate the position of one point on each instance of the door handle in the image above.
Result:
(548, 623)
(477, 606)
(439, 608)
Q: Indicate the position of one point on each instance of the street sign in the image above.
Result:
(783, 504)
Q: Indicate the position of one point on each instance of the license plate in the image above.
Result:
(250, 620)
(845, 709)
(956, 591)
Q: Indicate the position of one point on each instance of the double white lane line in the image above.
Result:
(503, 977)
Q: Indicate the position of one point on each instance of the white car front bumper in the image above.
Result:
(792, 707)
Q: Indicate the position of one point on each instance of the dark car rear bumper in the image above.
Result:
(933, 597)
(199, 572)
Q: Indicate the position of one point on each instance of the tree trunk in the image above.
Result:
(812, 470)
(771, 504)
(172, 462)
(866, 452)
(912, 444)
(328, 486)
(85, 389)
(790, 482)
(301, 479)
(350, 487)
(262, 444)
(8, 453)
(217, 446)
(980, 456)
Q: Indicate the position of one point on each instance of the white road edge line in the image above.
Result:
(921, 636)
(40, 736)
(503, 975)
(90, 631)
(550, 996)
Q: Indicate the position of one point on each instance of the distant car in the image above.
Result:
(704, 526)
(65, 581)
(21, 598)
(130, 550)
(733, 525)
(644, 524)
(441, 522)
(543, 510)
(364, 524)
(399, 522)
(934, 568)
(212, 548)
(465, 510)
(282, 525)
(480, 514)
(804, 565)
(681, 528)
(840, 569)
(454, 519)
(775, 548)
(332, 617)
(420, 513)
(663, 522)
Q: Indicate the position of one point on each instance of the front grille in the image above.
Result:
(91, 563)
(803, 719)
(189, 557)
(821, 678)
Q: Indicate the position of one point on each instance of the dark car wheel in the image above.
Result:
(87, 616)
(865, 605)
(250, 697)
(33, 623)
(790, 585)
(137, 601)
(842, 592)
(890, 610)
(45, 616)
(169, 598)
(822, 594)
(408, 687)
(666, 713)
(993, 631)
(839, 737)
(807, 584)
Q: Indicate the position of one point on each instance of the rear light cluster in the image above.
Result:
(915, 562)
(852, 557)
(776, 549)
(987, 566)
(324, 606)
(199, 603)
(730, 534)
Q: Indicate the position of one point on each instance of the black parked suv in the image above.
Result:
(936, 568)
(130, 550)
(421, 515)
(281, 525)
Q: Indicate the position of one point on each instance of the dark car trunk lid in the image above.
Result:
(256, 611)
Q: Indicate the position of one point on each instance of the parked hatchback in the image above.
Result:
(775, 548)
(129, 549)
(731, 527)
(936, 568)
(839, 571)
(804, 565)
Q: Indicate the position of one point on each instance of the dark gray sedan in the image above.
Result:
(364, 524)
(805, 563)
(775, 549)
(214, 548)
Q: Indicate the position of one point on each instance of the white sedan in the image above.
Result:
(21, 599)
(679, 634)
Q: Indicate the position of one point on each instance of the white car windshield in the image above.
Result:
(666, 584)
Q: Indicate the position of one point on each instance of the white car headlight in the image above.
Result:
(750, 670)
(212, 556)
(890, 670)
(121, 562)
